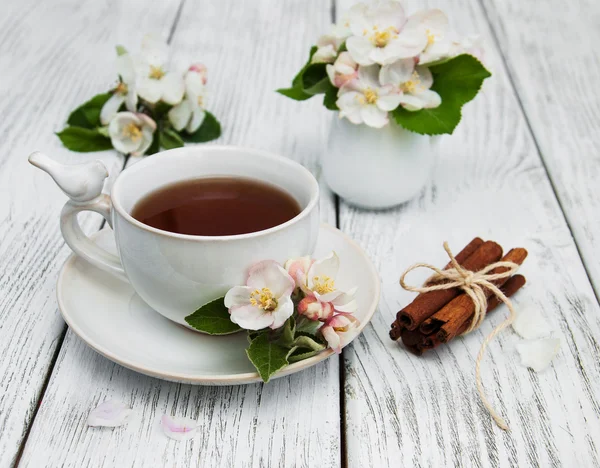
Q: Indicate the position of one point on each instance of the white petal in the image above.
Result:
(538, 354)
(126, 69)
(409, 43)
(369, 76)
(131, 99)
(330, 69)
(430, 99)
(360, 49)
(332, 338)
(180, 115)
(345, 302)
(250, 317)
(173, 88)
(154, 50)
(111, 413)
(144, 144)
(115, 131)
(324, 54)
(389, 102)
(269, 274)
(397, 73)
(389, 14)
(284, 310)
(111, 107)
(374, 117)
(530, 322)
(238, 295)
(178, 428)
(327, 266)
(149, 89)
(410, 102)
(425, 77)
(357, 19)
(434, 20)
(198, 115)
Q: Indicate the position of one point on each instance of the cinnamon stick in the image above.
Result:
(419, 343)
(427, 304)
(450, 319)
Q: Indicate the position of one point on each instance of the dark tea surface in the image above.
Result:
(216, 206)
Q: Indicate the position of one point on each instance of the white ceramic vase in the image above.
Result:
(376, 168)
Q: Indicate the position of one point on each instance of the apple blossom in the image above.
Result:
(155, 81)
(297, 268)
(340, 330)
(265, 300)
(364, 100)
(319, 282)
(382, 34)
(343, 70)
(125, 92)
(329, 44)
(189, 113)
(413, 84)
(314, 309)
(131, 133)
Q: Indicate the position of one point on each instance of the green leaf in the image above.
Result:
(213, 318)
(170, 139)
(301, 354)
(88, 114)
(121, 50)
(315, 79)
(84, 140)
(298, 78)
(457, 81)
(268, 357)
(297, 94)
(288, 332)
(155, 145)
(330, 99)
(209, 130)
(307, 327)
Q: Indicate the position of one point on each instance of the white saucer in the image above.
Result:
(107, 314)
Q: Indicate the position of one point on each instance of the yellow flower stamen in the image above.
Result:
(323, 284)
(132, 131)
(430, 37)
(411, 85)
(156, 73)
(382, 38)
(200, 101)
(121, 88)
(370, 96)
(264, 299)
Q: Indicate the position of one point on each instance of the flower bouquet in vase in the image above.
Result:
(395, 81)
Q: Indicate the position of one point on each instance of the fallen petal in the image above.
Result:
(537, 354)
(111, 413)
(530, 322)
(178, 428)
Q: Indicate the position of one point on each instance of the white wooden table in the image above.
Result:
(522, 169)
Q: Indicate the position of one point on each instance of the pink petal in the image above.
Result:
(111, 413)
(178, 428)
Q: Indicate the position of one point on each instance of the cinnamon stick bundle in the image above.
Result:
(438, 316)
(427, 304)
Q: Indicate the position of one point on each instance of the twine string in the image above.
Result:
(474, 284)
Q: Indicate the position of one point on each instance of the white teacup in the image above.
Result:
(177, 273)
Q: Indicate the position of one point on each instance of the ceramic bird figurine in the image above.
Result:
(80, 182)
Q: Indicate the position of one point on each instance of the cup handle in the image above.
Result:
(81, 244)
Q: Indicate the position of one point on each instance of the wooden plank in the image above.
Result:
(565, 124)
(403, 410)
(250, 49)
(53, 56)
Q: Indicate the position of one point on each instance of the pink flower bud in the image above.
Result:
(312, 309)
(298, 268)
(200, 68)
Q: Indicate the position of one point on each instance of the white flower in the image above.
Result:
(154, 80)
(343, 70)
(319, 281)
(131, 133)
(125, 91)
(328, 44)
(382, 34)
(413, 84)
(340, 330)
(365, 100)
(265, 300)
(190, 113)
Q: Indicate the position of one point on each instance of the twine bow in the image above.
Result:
(474, 284)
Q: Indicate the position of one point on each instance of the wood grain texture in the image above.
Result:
(250, 48)
(403, 410)
(53, 56)
(565, 124)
